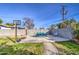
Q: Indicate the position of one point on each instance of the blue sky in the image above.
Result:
(42, 14)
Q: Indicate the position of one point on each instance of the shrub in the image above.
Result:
(76, 34)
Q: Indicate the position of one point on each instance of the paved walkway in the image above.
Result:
(49, 48)
(55, 38)
(30, 39)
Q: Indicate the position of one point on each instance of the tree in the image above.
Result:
(29, 24)
(70, 22)
(1, 21)
(77, 26)
(73, 23)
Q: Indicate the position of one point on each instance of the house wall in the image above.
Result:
(65, 33)
(4, 28)
(11, 32)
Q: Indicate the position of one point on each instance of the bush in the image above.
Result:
(76, 34)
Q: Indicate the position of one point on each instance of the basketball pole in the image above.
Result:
(15, 32)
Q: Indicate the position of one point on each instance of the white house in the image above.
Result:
(4, 27)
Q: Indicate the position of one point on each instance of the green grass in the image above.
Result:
(22, 49)
(67, 48)
(9, 40)
(8, 47)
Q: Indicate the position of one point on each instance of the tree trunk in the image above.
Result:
(26, 32)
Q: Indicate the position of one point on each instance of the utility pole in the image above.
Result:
(63, 12)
